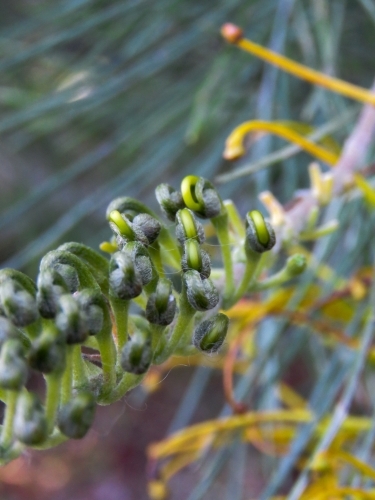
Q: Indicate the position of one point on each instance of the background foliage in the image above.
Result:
(104, 98)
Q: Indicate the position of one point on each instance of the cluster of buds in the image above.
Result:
(93, 326)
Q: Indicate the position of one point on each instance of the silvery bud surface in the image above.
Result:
(91, 303)
(13, 368)
(210, 334)
(161, 305)
(141, 259)
(188, 227)
(201, 197)
(47, 352)
(260, 236)
(147, 228)
(18, 304)
(30, 425)
(70, 321)
(76, 417)
(50, 286)
(195, 258)
(201, 293)
(7, 330)
(136, 355)
(170, 200)
(125, 281)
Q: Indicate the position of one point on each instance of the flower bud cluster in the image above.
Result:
(83, 299)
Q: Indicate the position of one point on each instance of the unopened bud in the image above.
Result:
(161, 305)
(169, 199)
(70, 321)
(201, 293)
(188, 227)
(76, 417)
(136, 355)
(210, 334)
(260, 236)
(13, 368)
(196, 258)
(296, 264)
(30, 425)
(200, 196)
(124, 279)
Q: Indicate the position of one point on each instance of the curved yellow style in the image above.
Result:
(234, 147)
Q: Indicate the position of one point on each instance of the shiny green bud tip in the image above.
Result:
(260, 236)
(194, 258)
(121, 224)
(200, 196)
(188, 227)
(210, 334)
(296, 264)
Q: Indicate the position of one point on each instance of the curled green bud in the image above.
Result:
(169, 199)
(187, 227)
(260, 235)
(121, 225)
(93, 307)
(71, 321)
(136, 355)
(210, 334)
(296, 264)
(146, 228)
(47, 352)
(125, 281)
(201, 197)
(195, 258)
(13, 369)
(7, 330)
(141, 259)
(76, 417)
(161, 305)
(201, 293)
(128, 206)
(30, 424)
(51, 286)
(18, 304)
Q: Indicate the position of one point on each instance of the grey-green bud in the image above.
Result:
(161, 305)
(51, 286)
(76, 417)
(146, 228)
(210, 334)
(194, 257)
(91, 304)
(136, 355)
(13, 368)
(170, 200)
(201, 293)
(47, 352)
(30, 424)
(188, 227)
(18, 303)
(141, 259)
(125, 281)
(70, 320)
(7, 330)
(260, 236)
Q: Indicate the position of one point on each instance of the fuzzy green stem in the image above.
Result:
(128, 382)
(53, 382)
(251, 272)
(220, 224)
(273, 281)
(234, 218)
(10, 410)
(67, 378)
(108, 357)
(154, 251)
(79, 371)
(184, 318)
(120, 310)
(169, 246)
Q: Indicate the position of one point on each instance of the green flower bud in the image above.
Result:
(92, 304)
(121, 226)
(161, 305)
(30, 424)
(71, 321)
(200, 196)
(47, 352)
(296, 264)
(96, 263)
(188, 227)
(17, 303)
(141, 259)
(201, 293)
(210, 334)
(169, 199)
(136, 355)
(51, 286)
(195, 258)
(76, 417)
(7, 330)
(147, 228)
(125, 281)
(13, 368)
(260, 235)
(128, 206)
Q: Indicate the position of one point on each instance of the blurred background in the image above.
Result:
(102, 98)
